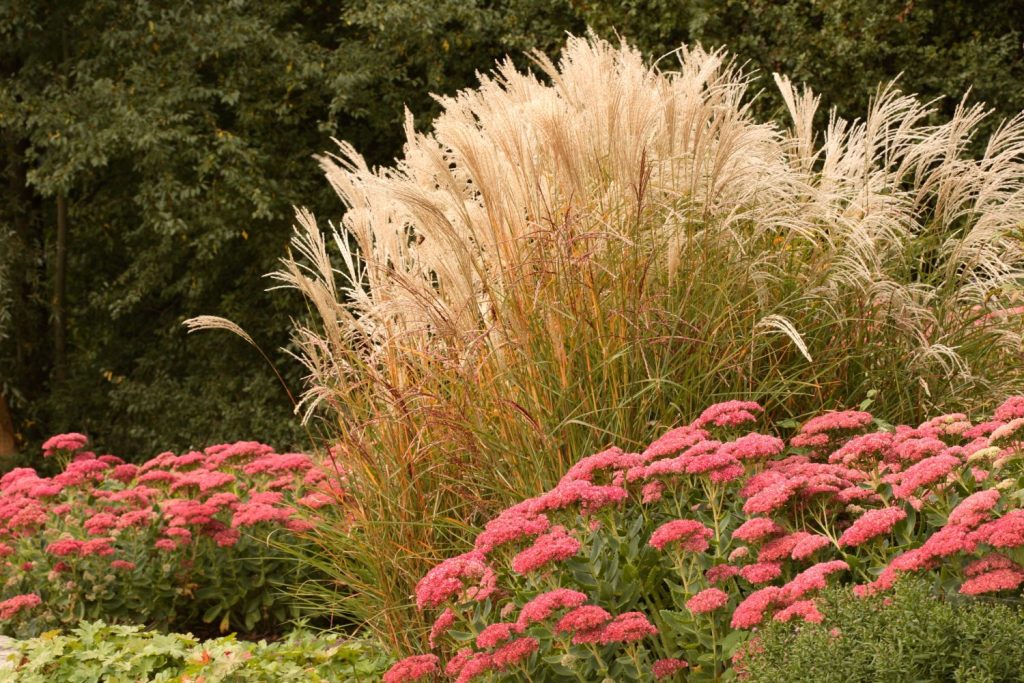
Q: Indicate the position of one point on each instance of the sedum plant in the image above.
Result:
(660, 565)
(180, 541)
(580, 254)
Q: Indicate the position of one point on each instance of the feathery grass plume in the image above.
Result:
(595, 251)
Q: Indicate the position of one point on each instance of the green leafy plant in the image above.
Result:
(95, 651)
(914, 633)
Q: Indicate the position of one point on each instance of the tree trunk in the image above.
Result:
(60, 292)
(6, 429)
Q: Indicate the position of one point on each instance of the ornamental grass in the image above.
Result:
(582, 254)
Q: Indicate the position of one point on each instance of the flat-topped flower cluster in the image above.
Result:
(662, 564)
(176, 542)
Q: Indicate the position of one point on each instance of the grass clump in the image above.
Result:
(594, 252)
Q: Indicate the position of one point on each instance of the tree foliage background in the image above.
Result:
(152, 151)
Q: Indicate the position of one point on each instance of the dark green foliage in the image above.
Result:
(180, 134)
(918, 637)
(843, 50)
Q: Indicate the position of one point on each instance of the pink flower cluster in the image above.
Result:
(741, 528)
(102, 510)
(708, 600)
(823, 430)
(67, 443)
(468, 575)
(687, 533)
(555, 546)
(872, 524)
(414, 668)
(18, 603)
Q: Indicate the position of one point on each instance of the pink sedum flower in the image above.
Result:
(708, 600)
(728, 414)
(872, 524)
(545, 604)
(11, 606)
(804, 609)
(441, 626)
(135, 518)
(512, 653)
(781, 548)
(65, 547)
(1005, 532)
(1011, 409)
(990, 562)
(721, 573)
(663, 668)
(467, 574)
(226, 538)
(808, 545)
(415, 668)
(508, 527)
(687, 533)
(555, 546)
(754, 446)
(474, 666)
(250, 514)
(652, 492)
(627, 628)
(98, 546)
(761, 572)
(72, 441)
(495, 634)
(924, 473)
(606, 461)
(124, 473)
(583, 619)
(757, 528)
(100, 523)
(750, 612)
(811, 579)
(974, 509)
(993, 581)
(458, 661)
(817, 431)
(675, 441)
(770, 498)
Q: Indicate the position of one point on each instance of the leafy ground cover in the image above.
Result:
(660, 564)
(95, 651)
(201, 540)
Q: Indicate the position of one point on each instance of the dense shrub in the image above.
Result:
(638, 565)
(126, 654)
(913, 635)
(175, 543)
(583, 254)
